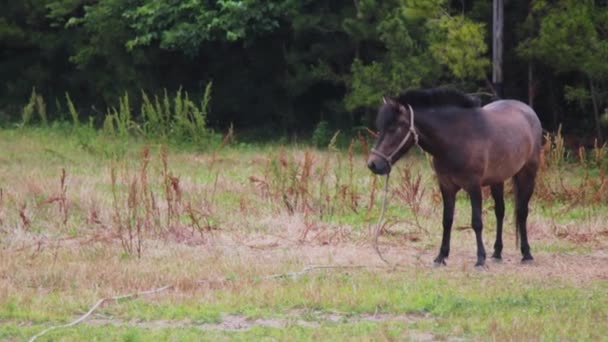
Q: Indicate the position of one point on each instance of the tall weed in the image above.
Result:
(35, 105)
(178, 118)
(322, 186)
(73, 112)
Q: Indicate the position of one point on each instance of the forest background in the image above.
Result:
(291, 66)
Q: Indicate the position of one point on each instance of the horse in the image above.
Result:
(471, 147)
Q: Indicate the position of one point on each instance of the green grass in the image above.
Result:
(464, 305)
(359, 331)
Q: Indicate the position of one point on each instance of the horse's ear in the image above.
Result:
(388, 100)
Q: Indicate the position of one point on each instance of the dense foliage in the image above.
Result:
(290, 64)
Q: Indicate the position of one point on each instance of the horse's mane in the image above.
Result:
(437, 97)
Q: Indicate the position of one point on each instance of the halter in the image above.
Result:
(412, 131)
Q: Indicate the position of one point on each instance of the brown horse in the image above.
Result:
(472, 147)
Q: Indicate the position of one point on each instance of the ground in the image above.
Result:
(271, 242)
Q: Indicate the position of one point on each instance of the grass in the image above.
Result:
(85, 216)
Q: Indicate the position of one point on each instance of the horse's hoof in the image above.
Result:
(497, 257)
(527, 261)
(439, 263)
(481, 267)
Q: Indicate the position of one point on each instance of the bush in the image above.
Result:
(321, 136)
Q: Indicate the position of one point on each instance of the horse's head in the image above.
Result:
(396, 135)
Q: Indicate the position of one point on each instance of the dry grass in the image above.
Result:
(77, 227)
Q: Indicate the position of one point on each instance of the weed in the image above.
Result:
(34, 105)
(600, 154)
(556, 148)
(28, 110)
(61, 198)
(41, 109)
(410, 190)
(321, 134)
(73, 112)
(179, 118)
(25, 220)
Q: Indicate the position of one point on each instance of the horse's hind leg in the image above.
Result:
(524, 187)
(499, 210)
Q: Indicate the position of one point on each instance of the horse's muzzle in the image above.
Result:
(378, 165)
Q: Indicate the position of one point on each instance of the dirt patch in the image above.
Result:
(576, 267)
(231, 322)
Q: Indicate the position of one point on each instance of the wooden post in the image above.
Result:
(497, 26)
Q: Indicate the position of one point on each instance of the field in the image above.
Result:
(269, 242)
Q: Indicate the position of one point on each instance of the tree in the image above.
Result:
(573, 37)
(425, 45)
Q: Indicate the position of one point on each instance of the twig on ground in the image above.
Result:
(97, 305)
(311, 268)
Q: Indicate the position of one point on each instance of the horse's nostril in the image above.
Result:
(371, 165)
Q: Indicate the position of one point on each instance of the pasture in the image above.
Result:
(254, 242)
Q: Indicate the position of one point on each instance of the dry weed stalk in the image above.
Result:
(288, 181)
(262, 186)
(24, 219)
(372, 194)
(201, 219)
(303, 181)
(140, 215)
(557, 148)
(582, 156)
(352, 189)
(324, 199)
(229, 137)
(600, 153)
(63, 206)
(1, 207)
(411, 191)
(173, 192)
(60, 198)
(313, 188)
(364, 146)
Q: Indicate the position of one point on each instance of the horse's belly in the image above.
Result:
(496, 178)
(502, 167)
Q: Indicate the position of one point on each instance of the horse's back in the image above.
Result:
(515, 107)
(516, 115)
(515, 138)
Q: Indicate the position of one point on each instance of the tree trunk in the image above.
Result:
(531, 90)
(596, 113)
(497, 29)
(555, 109)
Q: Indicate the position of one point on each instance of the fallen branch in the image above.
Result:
(97, 305)
(167, 287)
(311, 268)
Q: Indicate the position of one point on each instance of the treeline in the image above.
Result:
(289, 64)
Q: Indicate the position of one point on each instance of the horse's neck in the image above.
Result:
(432, 134)
(436, 129)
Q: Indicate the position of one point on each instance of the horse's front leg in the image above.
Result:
(476, 198)
(449, 200)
